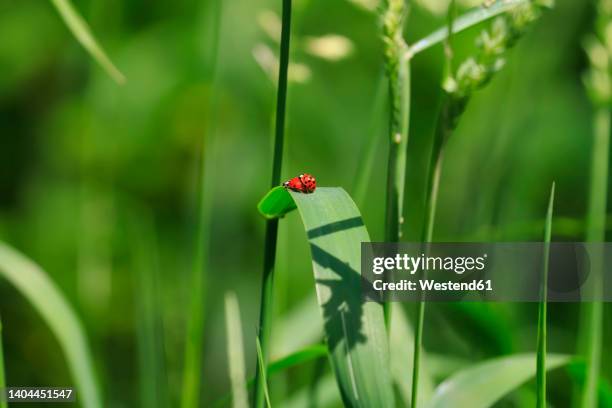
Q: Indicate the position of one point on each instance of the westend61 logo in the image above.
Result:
(413, 264)
(497, 272)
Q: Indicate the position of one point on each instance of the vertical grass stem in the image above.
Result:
(596, 223)
(542, 312)
(271, 237)
(397, 66)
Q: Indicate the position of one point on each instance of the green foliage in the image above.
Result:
(470, 19)
(323, 394)
(82, 33)
(398, 74)
(235, 351)
(276, 203)
(297, 358)
(46, 298)
(267, 286)
(69, 132)
(401, 337)
(598, 47)
(192, 366)
(354, 329)
(475, 72)
(471, 75)
(483, 384)
(578, 370)
(542, 306)
(393, 14)
(150, 328)
(262, 374)
(597, 81)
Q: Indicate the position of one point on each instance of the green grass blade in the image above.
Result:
(541, 356)
(324, 394)
(43, 294)
(401, 337)
(298, 357)
(294, 359)
(271, 237)
(466, 21)
(578, 370)
(235, 351)
(444, 128)
(149, 312)
(262, 374)
(355, 331)
(483, 384)
(596, 224)
(83, 34)
(3, 403)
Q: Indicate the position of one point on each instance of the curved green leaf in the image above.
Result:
(354, 329)
(483, 384)
(83, 34)
(304, 355)
(276, 203)
(41, 292)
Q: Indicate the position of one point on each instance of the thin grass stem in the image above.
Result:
(149, 312)
(398, 74)
(81, 31)
(542, 312)
(470, 19)
(297, 358)
(434, 173)
(261, 373)
(596, 224)
(451, 108)
(396, 171)
(271, 237)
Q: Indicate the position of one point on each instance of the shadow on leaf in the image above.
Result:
(343, 310)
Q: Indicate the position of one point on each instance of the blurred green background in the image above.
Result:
(98, 180)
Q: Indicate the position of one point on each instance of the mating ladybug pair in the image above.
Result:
(304, 183)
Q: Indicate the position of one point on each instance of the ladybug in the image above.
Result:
(304, 183)
(309, 183)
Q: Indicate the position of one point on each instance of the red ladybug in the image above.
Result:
(304, 183)
(309, 183)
